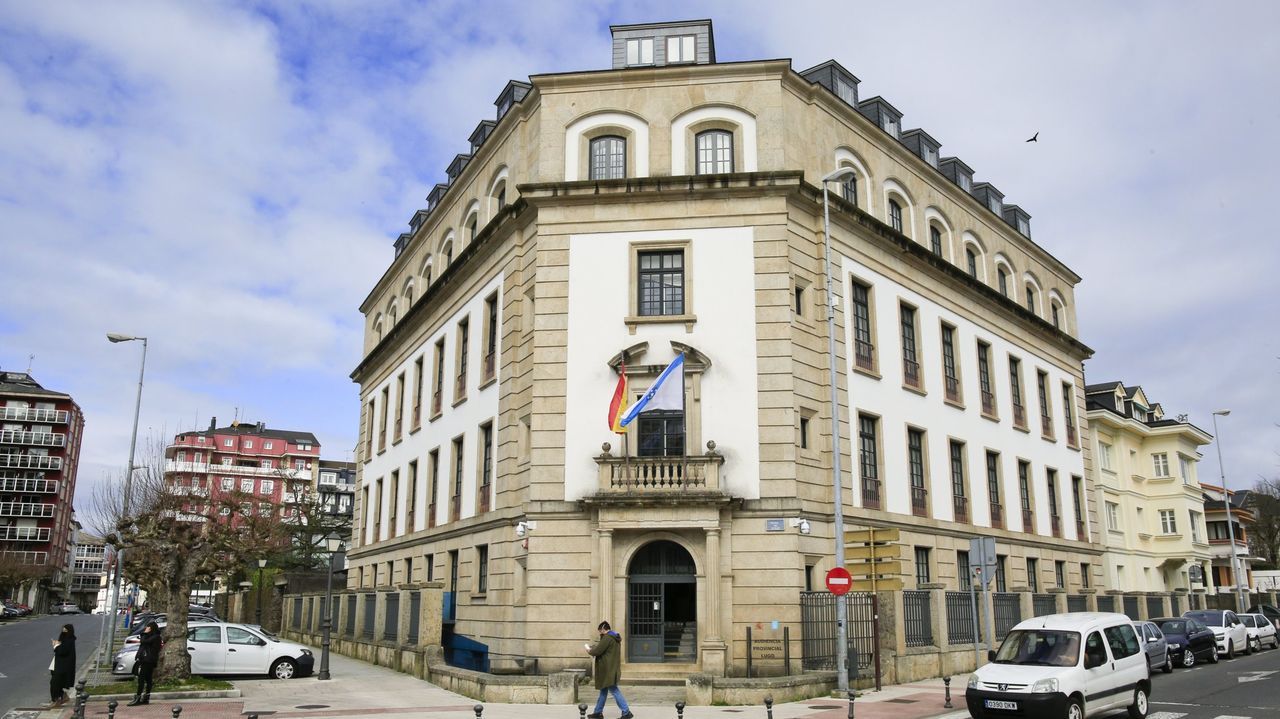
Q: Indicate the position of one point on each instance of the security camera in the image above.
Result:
(802, 523)
(521, 529)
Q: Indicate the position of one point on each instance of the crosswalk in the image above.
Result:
(1179, 715)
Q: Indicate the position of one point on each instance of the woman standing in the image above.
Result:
(148, 657)
(62, 672)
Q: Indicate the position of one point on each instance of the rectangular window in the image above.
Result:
(950, 374)
(1024, 497)
(935, 240)
(490, 337)
(1015, 393)
(246, 486)
(1168, 522)
(1060, 575)
(1031, 299)
(1113, 516)
(248, 444)
(266, 486)
(1160, 462)
(714, 152)
(1184, 468)
(1085, 571)
(382, 425)
(994, 500)
(433, 485)
(418, 382)
(1042, 388)
(1002, 585)
(456, 503)
(799, 299)
(660, 283)
(1055, 520)
(922, 566)
(910, 358)
(863, 348)
(264, 463)
(227, 484)
(915, 463)
(437, 387)
(464, 342)
(868, 461)
(680, 49)
(963, 571)
(411, 498)
(661, 434)
(804, 433)
(482, 569)
(1104, 455)
(1033, 574)
(1195, 527)
(959, 493)
(640, 51)
(486, 465)
(393, 503)
(1068, 413)
(984, 380)
(395, 437)
(371, 424)
(1077, 504)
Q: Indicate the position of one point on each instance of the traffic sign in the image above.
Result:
(871, 535)
(885, 583)
(866, 552)
(891, 566)
(982, 557)
(839, 580)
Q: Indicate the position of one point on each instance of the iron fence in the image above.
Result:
(1177, 605)
(351, 615)
(917, 617)
(1155, 607)
(1131, 607)
(960, 627)
(295, 621)
(1042, 604)
(1197, 601)
(1106, 603)
(818, 631)
(391, 619)
(415, 608)
(370, 611)
(1007, 610)
(1077, 603)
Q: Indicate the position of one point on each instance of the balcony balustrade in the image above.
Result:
(961, 507)
(24, 534)
(43, 416)
(1019, 416)
(28, 486)
(490, 365)
(30, 461)
(997, 516)
(27, 558)
(25, 509)
(1080, 533)
(988, 403)
(460, 387)
(1055, 525)
(34, 439)
(1071, 435)
(871, 493)
(952, 387)
(202, 468)
(658, 475)
(437, 403)
(1028, 522)
(920, 501)
(864, 355)
(1046, 425)
(911, 373)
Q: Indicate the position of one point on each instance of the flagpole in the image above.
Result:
(684, 420)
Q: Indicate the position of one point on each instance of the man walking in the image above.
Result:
(608, 669)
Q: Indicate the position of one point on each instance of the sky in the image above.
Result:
(227, 179)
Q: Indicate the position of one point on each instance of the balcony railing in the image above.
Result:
(1046, 425)
(961, 507)
(1071, 435)
(1080, 534)
(395, 435)
(30, 461)
(484, 498)
(911, 372)
(654, 475)
(22, 414)
(864, 354)
(1028, 522)
(24, 534)
(870, 493)
(920, 501)
(431, 515)
(988, 403)
(460, 387)
(30, 558)
(1055, 525)
(25, 509)
(417, 415)
(28, 486)
(997, 516)
(952, 389)
(437, 402)
(202, 468)
(35, 439)
(1019, 415)
(490, 365)
(455, 508)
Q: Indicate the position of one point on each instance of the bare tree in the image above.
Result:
(1264, 535)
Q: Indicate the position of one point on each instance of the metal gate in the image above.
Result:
(818, 632)
(644, 622)
(662, 605)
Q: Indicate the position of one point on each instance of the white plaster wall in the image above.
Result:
(465, 419)
(639, 135)
(898, 407)
(723, 291)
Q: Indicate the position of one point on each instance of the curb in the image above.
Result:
(162, 696)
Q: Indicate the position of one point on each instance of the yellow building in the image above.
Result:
(672, 206)
(1149, 494)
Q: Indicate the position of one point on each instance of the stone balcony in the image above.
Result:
(679, 479)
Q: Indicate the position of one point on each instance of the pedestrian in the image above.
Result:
(148, 657)
(608, 670)
(62, 670)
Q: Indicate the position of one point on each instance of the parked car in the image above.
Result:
(224, 648)
(1267, 610)
(1073, 665)
(1261, 631)
(1228, 630)
(67, 608)
(1153, 642)
(1189, 641)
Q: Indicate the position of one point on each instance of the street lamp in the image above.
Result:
(332, 543)
(842, 629)
(262, 563)
(117, 586)
(1226, 500)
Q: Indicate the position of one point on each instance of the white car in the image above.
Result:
(225, 648)
(1074, 665)
(1261, 631)
(1228, 631)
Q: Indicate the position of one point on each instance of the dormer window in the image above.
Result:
(890, 125)
(503, 107)
(994, 203)
(846, 91)
(1024, 227)
(966, 184)
(640, 51)
(680, 49)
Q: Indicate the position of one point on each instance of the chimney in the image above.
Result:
(213, 423)
(261, 426)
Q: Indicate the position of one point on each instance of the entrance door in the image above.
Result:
(662, 605)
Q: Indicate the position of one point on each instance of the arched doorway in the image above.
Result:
(662, 605)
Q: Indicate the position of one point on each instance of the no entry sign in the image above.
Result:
(839, 581)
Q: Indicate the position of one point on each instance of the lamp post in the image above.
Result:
(262, 563)
(1238, 590)
(842, 629)
(331, 542)
(117, 585)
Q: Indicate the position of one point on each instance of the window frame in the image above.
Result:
(953, 391)
(614, 154)
(637, 249)
(895, 215)
(869, 458)
(958, 461)
(862, 310)
(716, 164)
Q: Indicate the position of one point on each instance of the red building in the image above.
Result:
(40, 433)
(273, 464)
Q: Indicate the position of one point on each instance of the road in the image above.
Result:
(25, 653)
(1241, 688)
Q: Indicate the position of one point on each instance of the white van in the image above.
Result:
(1073, 665)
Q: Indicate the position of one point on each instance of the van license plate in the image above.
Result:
(995, 704)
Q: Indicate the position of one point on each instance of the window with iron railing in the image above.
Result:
(455, 512)
(959, 493)
(993, 489)
(418, 382)
(382, 426)
(1024, 497)
(1042, 388)
(915, 461)
(910, 360)
(491, 338)
(868, 461)
(1077, 504)
(935, 240)
(433, 485)
(1055, 519)
(1068, 415)
(1015, 393)
(437, 394)
(950, 374)
(863, 348)
(984, 380)
(395, 437)
(486, 465)
(460, 382)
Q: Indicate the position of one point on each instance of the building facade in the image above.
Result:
(40, 434)
(275, 465)
(336, 486)
(611, 221)
(1220, 506)
(89, 571)
(1148, 486)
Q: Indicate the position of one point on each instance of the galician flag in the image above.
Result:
(663, 394)
(618, 405)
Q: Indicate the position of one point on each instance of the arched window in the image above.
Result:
(935, 240)
(377, 329)
(1056, 312)
(608, 158)
(426, 272)
(1031, 298)
(714, 152)
(971, 262)
(408, 293)
(895, 215)
(448, 253)
(1002, 277)
(392, 315)
(849, 189)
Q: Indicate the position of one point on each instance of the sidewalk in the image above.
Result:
(358, 689)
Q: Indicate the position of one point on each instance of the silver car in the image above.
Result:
(1157, 649)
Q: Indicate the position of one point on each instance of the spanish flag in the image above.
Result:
(618, 405)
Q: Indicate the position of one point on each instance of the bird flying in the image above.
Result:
(1034, 138)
